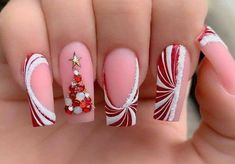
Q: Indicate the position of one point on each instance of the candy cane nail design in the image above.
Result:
(78, 99)
(209, 35)
(215, 51)
(125, 115)
(170, 72)
(37, 76)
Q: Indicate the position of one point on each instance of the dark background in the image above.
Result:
(3, 3)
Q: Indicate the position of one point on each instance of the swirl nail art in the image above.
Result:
(208, 36)
(170, 71)
(126, 114)
(41, 114)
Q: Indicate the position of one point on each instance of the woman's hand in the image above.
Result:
(144, 27)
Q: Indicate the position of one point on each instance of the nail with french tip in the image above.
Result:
(38, 82)
(172, 78)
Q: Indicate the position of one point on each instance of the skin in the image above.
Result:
(150, 141)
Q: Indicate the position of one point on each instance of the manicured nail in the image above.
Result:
(77, 81)
(219, 57)
(172, 77)
(38, 83)
(121, 80)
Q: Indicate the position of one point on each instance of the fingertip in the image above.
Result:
(217, 53)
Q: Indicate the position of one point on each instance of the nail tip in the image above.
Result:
(120, 117)
(81, 117)
(114, 125)
(208, 35)
(166, 120)
(37, 126)
(79, 121)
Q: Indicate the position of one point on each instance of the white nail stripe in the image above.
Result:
(131, 100)
(211, 36)
(42, 112)
(168, 57)
(111, 120)
(29, 73)
(41, 117)
(163, 101)
(176, 86)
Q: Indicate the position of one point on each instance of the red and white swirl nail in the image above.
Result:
(216, 51)
(38, 82)
(172, 77)
(208, 36)
(77, 81)
(121, 80)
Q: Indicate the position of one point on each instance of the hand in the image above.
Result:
(47, 26)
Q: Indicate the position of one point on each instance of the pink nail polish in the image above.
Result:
(121, 80)
(172, 77)
(77, 82)
(216, 51)
(38, 82)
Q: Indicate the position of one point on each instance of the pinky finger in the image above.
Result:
(215, 94)
(219, 57)
(216, 79)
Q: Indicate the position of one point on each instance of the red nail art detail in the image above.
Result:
(41, 116)
(125, 115)
(209, 35)
(78, 100)
(219, 56)
(169, 78)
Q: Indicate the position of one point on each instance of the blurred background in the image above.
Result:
(221, 17)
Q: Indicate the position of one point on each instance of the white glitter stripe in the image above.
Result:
(179, 77)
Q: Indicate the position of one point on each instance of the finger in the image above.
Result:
(123, 29)
(215, 95)
(215, 91)
(174, 54)
(23, 41)
(72, 39)
(212, 44)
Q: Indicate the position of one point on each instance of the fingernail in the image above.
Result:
(121, 79)
(219, 56)
(77, 81)
(38, 82)
(172, 77)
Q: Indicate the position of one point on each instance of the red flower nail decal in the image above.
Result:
(78, 100)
